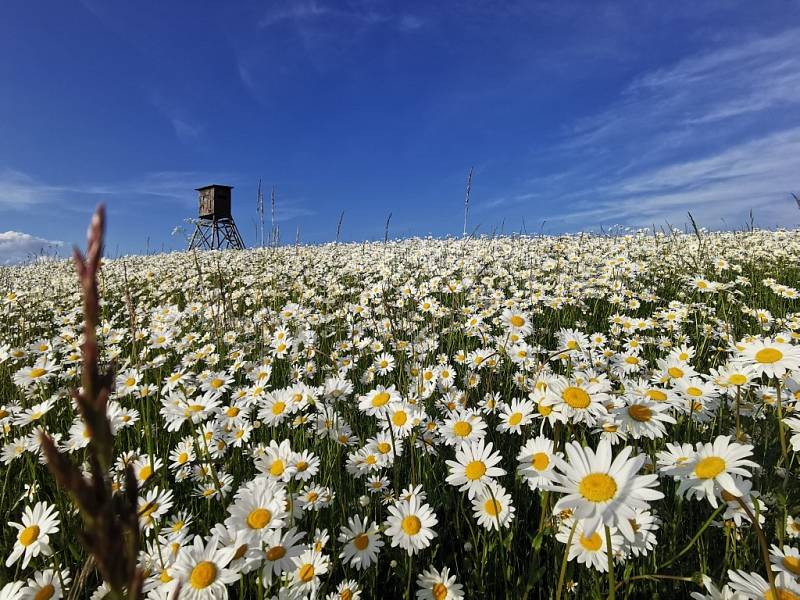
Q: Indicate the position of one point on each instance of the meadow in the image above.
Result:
(587, 416)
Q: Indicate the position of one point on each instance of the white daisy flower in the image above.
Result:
(33, 537)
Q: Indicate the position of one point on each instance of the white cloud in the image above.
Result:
(26, 193)
(18, 247)
(22, 191)
(297, 10)
(716, 133)
(187, 129)
(719, 189)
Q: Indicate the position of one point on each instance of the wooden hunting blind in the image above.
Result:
(215, 227)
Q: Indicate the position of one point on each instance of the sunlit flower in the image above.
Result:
(33, 534)
(601, 491)
(438, 585)
(712, 467)
(410, 525)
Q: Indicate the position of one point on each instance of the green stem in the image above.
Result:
(781, 429)
(694, 539)
(563, 572)
(612, 586)
(762, 542)
(408, 578)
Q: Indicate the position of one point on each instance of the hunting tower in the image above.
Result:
(215, 227)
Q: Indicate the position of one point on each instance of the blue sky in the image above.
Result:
(575, 114)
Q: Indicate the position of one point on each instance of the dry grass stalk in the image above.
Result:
(111, 524)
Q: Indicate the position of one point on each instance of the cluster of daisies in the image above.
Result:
(306, 423)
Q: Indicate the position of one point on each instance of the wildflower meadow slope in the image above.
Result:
(528, 416)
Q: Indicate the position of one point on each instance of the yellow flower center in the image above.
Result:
(380, 399)
(37, 415)
(545, 409)
(640, 412)
(203, 575)
(593, 543)
(312, 496)
(515, 419)
(130, 381)
(576, 397)
(277, 468)
(675, 372)
(709, 467)
(183, 457)
(632, 360)
(165, 577)
(462, 428)
(45, 592)
(145, 472)
(306, 573)
(399, 418)
(694, 391)
(233, 411)
(792, 563)
(384, 447)
(492, 507)
(217, 383)
(737, 379)
(240, 552)
(767, 356)
(276, 553)
(783, 594)
(517, 321)
(411, 525)
(346, 594)
(301, 466)
(439, 591)
(598, 487)
(278, 408)
(361, 541)
(540, 461)
(148, 510)
(37, 372)
(572, 345)
(475, 470)
(259, 518)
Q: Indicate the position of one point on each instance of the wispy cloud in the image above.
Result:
(24, 193)
(16, 246)
(719, 190)
(716, 133)
(187, 129)
(296, 11)
(720, 84)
